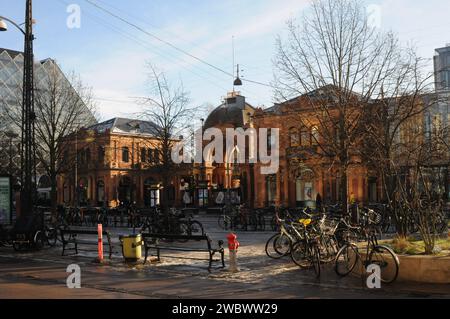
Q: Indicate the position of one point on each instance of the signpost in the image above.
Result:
(5, 200)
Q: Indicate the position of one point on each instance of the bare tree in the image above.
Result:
(168, 108)
(419, 189)
(62, 105)
(339, 63)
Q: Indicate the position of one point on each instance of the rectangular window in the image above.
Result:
(101, 154)
(156, 156)
(150, 155)
(448, 129)
(125, 155)
(293, 135)
(305, 137)
(437, 122)
(437, 129)
(143, 155)
(314, 135)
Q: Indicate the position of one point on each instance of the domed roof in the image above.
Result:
(230, 113)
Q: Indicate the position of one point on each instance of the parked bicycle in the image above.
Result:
(349, 255)
(306, 252)
(5, 236)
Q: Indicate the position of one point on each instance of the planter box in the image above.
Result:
(420, 268)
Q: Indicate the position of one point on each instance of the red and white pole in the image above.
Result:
(100, 242)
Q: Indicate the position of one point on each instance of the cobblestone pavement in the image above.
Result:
(43, 274)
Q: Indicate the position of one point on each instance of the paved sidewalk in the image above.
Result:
(43, 275)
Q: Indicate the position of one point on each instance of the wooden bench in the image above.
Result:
(70, 237)
(167, 242)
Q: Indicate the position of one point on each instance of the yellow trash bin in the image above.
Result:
(131, 247)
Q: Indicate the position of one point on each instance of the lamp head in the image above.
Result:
(3, 25)
(237, 82)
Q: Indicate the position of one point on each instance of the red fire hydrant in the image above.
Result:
(233, 246)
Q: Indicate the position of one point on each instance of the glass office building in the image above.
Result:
(11, 81)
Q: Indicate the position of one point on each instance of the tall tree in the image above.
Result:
(62, 105)
(336, 48)
(168, 108)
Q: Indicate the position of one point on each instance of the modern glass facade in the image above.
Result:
(11, 79)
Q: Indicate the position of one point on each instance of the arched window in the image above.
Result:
(293, 136)
(88, 156)
(305, 137)
(101, 154)
(125, 155)
(156, 156)
(66, 193)
(44, 182)
(314, 135)
(100, 193)
(271, 189)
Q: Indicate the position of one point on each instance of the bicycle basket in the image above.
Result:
(305, 222)
(374, 218)
(329, 226)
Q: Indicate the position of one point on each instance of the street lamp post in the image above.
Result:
(202, 167)
(201, 188)
(28, 116)
(11, 135)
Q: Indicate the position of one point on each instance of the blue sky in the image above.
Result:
(111, 56)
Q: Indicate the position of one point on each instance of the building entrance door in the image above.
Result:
(125, 191)
(305, 193)
(151, 193)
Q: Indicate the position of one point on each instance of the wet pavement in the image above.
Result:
(42, 274)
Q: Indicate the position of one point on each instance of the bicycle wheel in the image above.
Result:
(5, 240)
(413, 226)
(51, 235)
(183, 229)
(262, 223)
(387, 225)
(278, 246)
(252, 223)
(224, 222)
(104, 219)
(388, 262)
(78, 221)
(196, 228)
(441, 225)
(346, 259)
(5, 243)
(274, 224)
(282, 245)
(39, 240)
(315, 259)
(300, 255)
(328, 248)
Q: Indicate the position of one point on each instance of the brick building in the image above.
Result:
(306, 166)
(116, 161)
(303, 171)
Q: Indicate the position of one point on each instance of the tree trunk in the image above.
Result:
(343, 189)
(343, 159)
(53, 196)
(165, 197)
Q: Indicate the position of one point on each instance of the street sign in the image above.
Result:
(5, 200)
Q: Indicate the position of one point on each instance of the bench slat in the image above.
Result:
(74, 240)
(158, 247)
